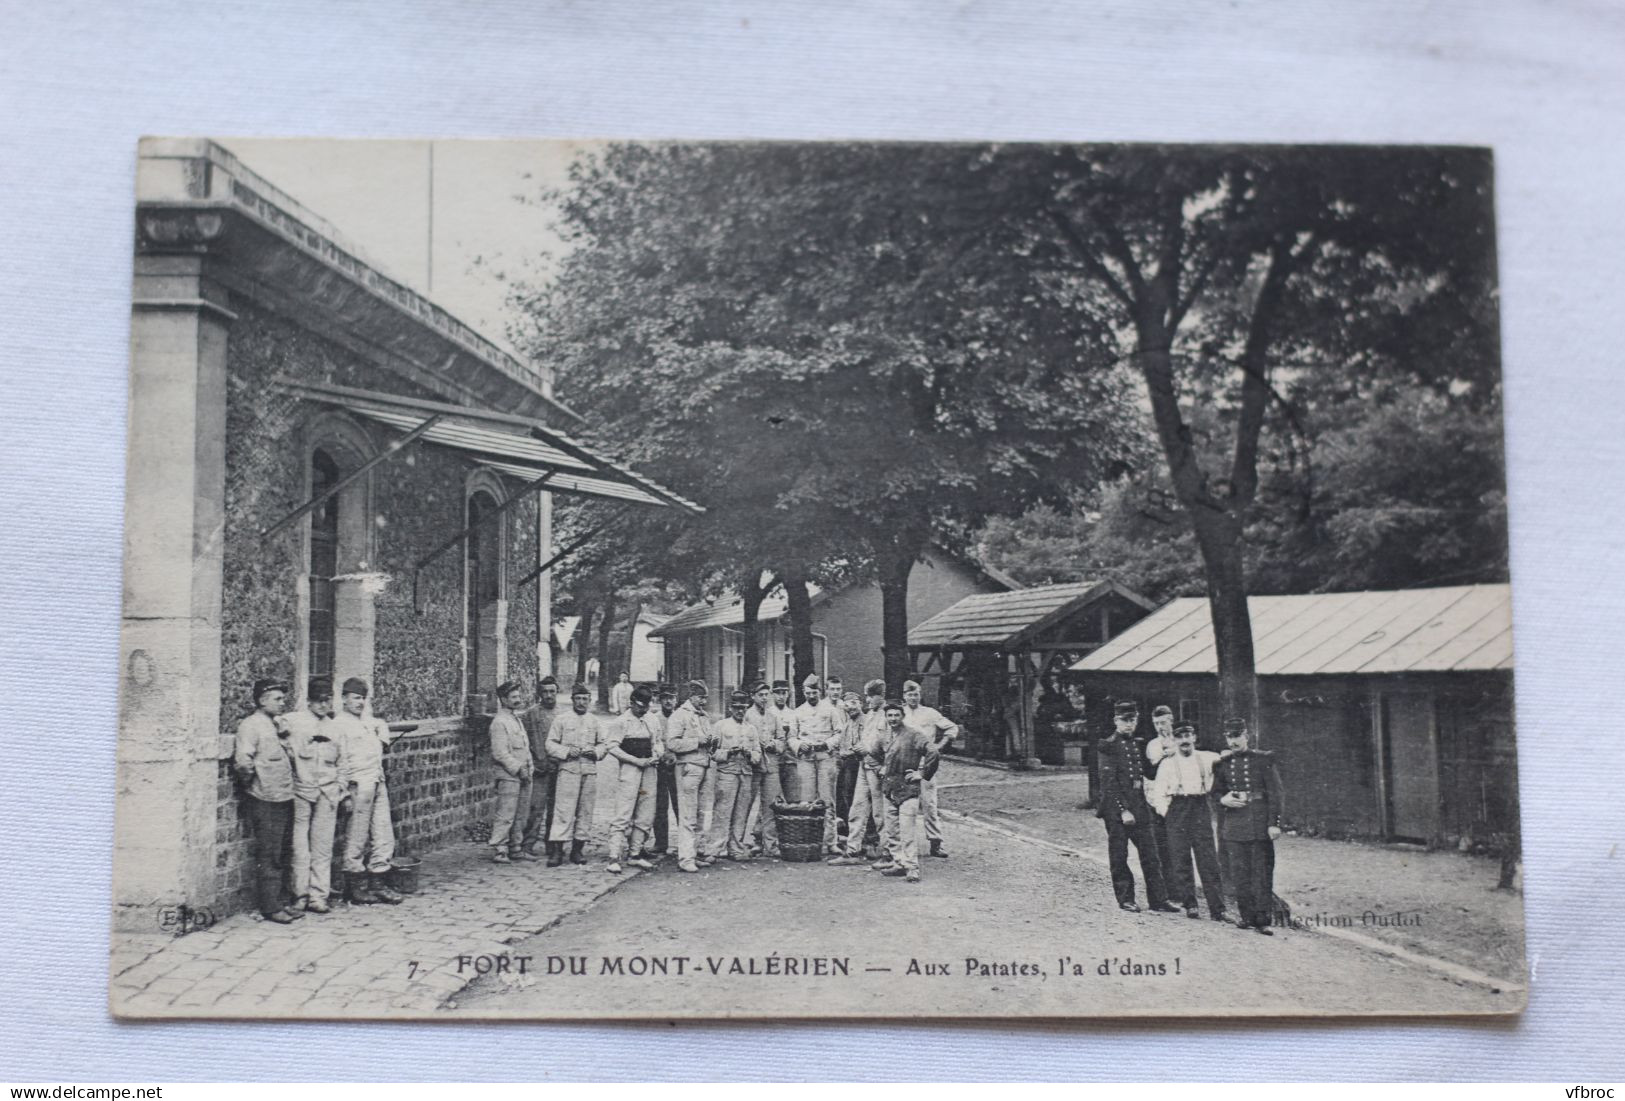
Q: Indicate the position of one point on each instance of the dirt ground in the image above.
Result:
(1441, 904)
(1004, 927)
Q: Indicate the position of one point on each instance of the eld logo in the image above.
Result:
(183, 919)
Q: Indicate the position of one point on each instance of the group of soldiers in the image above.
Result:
(301, 772)
(1158, 795)
(869, 760)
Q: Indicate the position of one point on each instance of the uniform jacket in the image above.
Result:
(851, 734)
(510, 743)
(739, 747)
(361, 743)
(788, 725)
(687, 732)
(930, 722)
(318, 759)
(912, 749)
(1122, 780)
(538, 721)
(817, 731)
(643, 738)
(1252, 771)
(571, 731)
(769, 734)
(263, 756)
(872, 738)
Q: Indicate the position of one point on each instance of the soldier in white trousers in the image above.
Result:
(318, 790)
(637, 741)
(935, 726)
(690, 740)
(868, 802)
(735, 759)
(576, 742)
(818, 729)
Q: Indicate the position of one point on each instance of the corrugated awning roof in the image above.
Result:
(1004, 620)
(1465, 627)
(517, 446)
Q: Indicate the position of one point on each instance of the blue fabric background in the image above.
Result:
(79, 82)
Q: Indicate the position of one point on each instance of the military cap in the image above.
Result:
(319, 688)
(355, 686)
(853, 697)
(268, 684)
(1122, 709)
(759, 686)
(641, 694)
(696, 688)
(910, 684)
(1161, 711)
(1185, 726)
(810, 681)
(508, 688)
(892, 705)
(781, 686)
(874, 688)
(550, 679)
(738, 699)
(579, 688)
(1234, 725)
(666, 690)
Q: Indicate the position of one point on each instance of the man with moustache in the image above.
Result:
(510, 752)
(690, 740)
(911, 759)
(817, 731)
(636, 741)
(538, 721)
(317, 792)
(369, 845)
(262, 759)
(1249, 824)
(1179, 795)
(1126, 814)
(1158, 748)
(868, 802)
(665, 778)
(576, 742)
(935, 725)
(789, 773)
(735, 760)
(769, 790)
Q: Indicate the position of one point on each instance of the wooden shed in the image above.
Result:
(1390, 712)
(985, 660)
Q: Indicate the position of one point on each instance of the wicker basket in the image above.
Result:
(801, 831)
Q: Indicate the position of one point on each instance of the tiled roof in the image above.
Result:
(1466, 627)
(1001, 620)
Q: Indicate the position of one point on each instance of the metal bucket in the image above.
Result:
(403, 874)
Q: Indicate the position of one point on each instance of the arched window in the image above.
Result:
(324, 565)
(336, 605)
(486, 612)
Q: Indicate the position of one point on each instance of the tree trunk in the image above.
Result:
(752, 599)
(1220, 538)
(802, 658)
(583, 640)
(606, 624)
(630, 648)
(894, 574)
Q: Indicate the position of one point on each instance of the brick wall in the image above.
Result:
(440, 793)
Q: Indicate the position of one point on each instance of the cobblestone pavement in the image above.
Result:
(358, 960)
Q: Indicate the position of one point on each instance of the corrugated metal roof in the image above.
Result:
(517, 446)
(1003, 619)
(1465, 627)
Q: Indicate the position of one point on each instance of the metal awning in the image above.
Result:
(519, 447)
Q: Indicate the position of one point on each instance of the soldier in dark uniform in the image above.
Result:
(1126, 814)
(1249, 791)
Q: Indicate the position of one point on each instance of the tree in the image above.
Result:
(842, 351)
(1229, 270)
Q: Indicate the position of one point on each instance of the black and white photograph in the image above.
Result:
(767, 580)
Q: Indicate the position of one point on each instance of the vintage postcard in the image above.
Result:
(814, 580)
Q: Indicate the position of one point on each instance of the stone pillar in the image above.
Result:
(169, 708)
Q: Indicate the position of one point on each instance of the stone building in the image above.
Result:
(327, 474)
